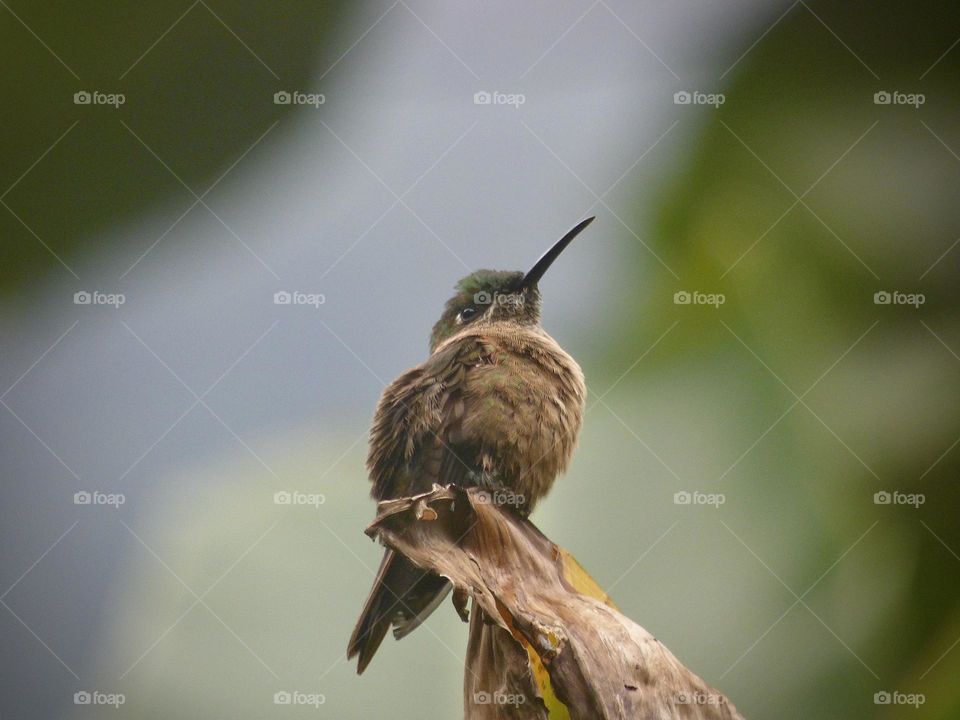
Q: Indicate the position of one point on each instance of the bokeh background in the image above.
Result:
(785, 188)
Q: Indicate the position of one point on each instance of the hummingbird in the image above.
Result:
(497, 405)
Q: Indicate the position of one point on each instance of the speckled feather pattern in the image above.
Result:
(499, 402)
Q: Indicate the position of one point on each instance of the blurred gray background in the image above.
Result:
(797, 195)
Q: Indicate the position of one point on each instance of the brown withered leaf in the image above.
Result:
(545, 641)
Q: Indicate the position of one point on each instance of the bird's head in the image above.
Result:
(492, 296)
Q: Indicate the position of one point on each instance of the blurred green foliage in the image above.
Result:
(879, 204)
(194, 94)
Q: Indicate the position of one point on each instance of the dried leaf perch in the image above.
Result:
(545, 641)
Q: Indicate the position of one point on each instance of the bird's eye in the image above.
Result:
(467, 314)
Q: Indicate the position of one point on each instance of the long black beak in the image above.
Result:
(546, 260)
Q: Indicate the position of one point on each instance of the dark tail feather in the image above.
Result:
(402, 594)
(374, 620)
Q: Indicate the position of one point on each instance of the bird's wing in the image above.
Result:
(417, 435)
(416, 440)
